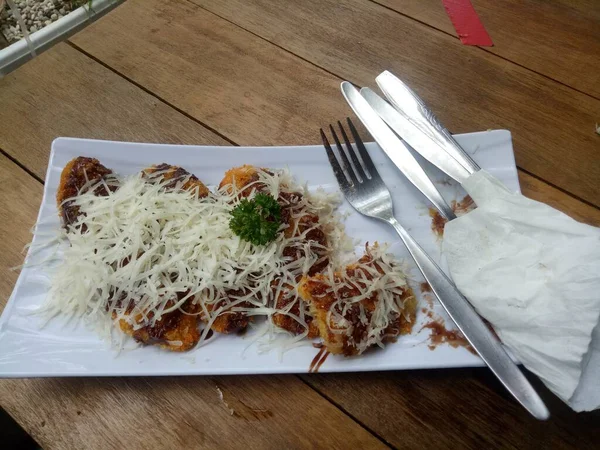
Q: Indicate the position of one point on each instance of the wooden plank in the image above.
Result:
(256, 412)
(250, 91)
(269, 412)
(459, 408)
(559, 39)
(65, 93)
(190, 57)
(538, 190)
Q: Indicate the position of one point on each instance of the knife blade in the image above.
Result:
(414, 110)
(395, 148)
(421, 142)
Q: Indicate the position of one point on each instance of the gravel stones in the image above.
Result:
(36, 14)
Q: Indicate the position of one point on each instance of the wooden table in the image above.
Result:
(260, 72)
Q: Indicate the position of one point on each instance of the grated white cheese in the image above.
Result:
(359, 283)
(155, 249)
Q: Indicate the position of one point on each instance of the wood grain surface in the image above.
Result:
(65, 93)
(267, 72)
(271, 412)
(477, 412)
(251, 91)
(539, 190)
(558, 38)
(469, 89)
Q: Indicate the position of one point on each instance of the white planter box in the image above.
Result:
(18, 52)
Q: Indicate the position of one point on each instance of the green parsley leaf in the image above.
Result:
(256, 220)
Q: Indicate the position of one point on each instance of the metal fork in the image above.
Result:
(365, 191)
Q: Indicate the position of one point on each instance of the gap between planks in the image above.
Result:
(308, 61)
(20, 165)
(146, 90)
(558, 188)
(303, 378)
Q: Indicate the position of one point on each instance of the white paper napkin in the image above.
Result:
(534, 273)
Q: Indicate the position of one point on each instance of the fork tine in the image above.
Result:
(345, 163)
(360, 174)
(363, 153)
(341, 177)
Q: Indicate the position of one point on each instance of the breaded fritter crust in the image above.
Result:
(77, 173)
(228, 322)
(242, 178)
(174, 176)
(245, 180)
(179, 329)
(318, 292)
(286, 300)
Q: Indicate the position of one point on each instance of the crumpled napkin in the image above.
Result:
(534, 274)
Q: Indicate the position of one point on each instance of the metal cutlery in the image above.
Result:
(418, 117)
(396, 149)
(422, 142)
(364, 189)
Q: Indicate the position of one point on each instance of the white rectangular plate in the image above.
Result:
(27, 350)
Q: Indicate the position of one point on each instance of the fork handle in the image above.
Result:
(473, 328)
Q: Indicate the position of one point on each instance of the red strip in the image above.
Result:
(466, 23)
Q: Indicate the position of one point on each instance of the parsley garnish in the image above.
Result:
(256, 220)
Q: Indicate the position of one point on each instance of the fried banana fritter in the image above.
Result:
(246, 179)
(77, 173)
(243, 178)
(286, 301)
(173, 176)
(177, 331)
(349, 332)
(228, 322)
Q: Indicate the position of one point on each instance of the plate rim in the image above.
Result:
(8, 310)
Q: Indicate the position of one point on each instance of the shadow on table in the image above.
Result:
(13, 436)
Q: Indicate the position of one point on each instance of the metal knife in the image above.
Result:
(395, 148)
(422, 142)
(414, 110)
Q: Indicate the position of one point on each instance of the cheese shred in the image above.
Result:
(144, 250)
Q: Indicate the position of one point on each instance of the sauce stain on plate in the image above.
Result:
(437, 223)
(460, 208)
(464, 206)
(440, 335)
(319, 359)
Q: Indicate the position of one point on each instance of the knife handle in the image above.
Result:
(415, 138)
(414, 109)
(473, 328)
